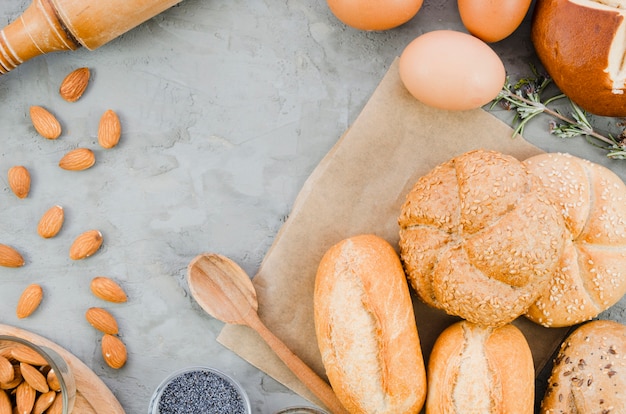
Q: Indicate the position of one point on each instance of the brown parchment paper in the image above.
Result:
(358, 187)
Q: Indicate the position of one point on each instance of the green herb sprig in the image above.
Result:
(525, 98)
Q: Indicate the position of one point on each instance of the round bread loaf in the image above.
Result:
(479, 239)
(581, 45)
(589, 372)
(591, 275)
(478, 369)
(366, 329)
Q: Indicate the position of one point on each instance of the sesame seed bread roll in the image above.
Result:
(479, 239)
(591, 276)
(589, 372)
(480, 369)
(366, 328)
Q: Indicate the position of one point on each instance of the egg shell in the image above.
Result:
(374, 14)
(492, 20)
(451, 70)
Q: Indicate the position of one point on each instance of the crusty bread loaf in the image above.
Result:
(479, 239)
(589, 372)
(479, 369)
(592, 274)
(366, 329)
(586, 63)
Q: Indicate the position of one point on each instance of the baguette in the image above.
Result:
(366, 329)
(480, 369)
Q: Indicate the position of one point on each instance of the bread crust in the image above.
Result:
(475, 368)
(589, 372)
(479, 239)
(591, 276)
(577, 60)
(366, 329)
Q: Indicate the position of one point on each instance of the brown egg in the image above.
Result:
(492, 20)
(374, 14)
(451, 70)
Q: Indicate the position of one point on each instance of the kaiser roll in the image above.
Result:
(366, 330)
(591, 275)
(589, 372)
(478, 369)
(479, 239)
(581, 44)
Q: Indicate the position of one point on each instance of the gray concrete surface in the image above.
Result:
(227, 107)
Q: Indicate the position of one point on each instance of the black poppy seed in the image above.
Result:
(203, 392)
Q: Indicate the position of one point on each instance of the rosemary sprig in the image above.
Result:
(525, 98)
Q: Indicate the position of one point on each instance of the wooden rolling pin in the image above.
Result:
(61, 25)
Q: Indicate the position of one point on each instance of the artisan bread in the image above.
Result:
(591, 276)
(479, 369)
(589, 372)
(366, 329)
(581, 44)
(479, 239)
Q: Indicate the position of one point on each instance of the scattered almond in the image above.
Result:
(74, 84)
(109, 130)
(44, 122)
(19, 180)
(86, 244)
(5, 403)
(6, 370)
(113, 351)
(29, 300)
(25, 398)
(51, 222)
(78, 159)
(34, 377)
(107, 289)
(102, 320)
(44, 401)
(9, 257)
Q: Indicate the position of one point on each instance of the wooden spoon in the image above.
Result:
(225, 291)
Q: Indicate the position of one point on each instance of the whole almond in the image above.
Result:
(19, 180)
(107, 289)
(113, 351)
(5, 403)
(22, 353)
(74, 84)
(56, 407)
(25, 398)
(34, 377)
(86, 244)
(29, 300)
(51, 222)
(53, 380)
(17, 379)
(44, 401)
(109, 129)
(102, 320)
(78, 159)
(9, 257)
(44, 122)
(6, 370)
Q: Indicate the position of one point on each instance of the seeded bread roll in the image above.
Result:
(478, 369)
(366, 329)
(591, 275)
(479, 239)
(589, 373)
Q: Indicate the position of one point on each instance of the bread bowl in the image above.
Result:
(591, 276)
(366, 329)
(581, 44)
(478, 237)
(589, 372)
(478, 369)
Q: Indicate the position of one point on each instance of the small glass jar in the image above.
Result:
(199, 389)
(17, 349)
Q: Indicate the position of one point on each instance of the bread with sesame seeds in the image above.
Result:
(591, 276)
(479, 369)
(366, 329)
(479, 239)
(589, 372)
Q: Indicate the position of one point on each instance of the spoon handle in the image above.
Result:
(314, 383)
